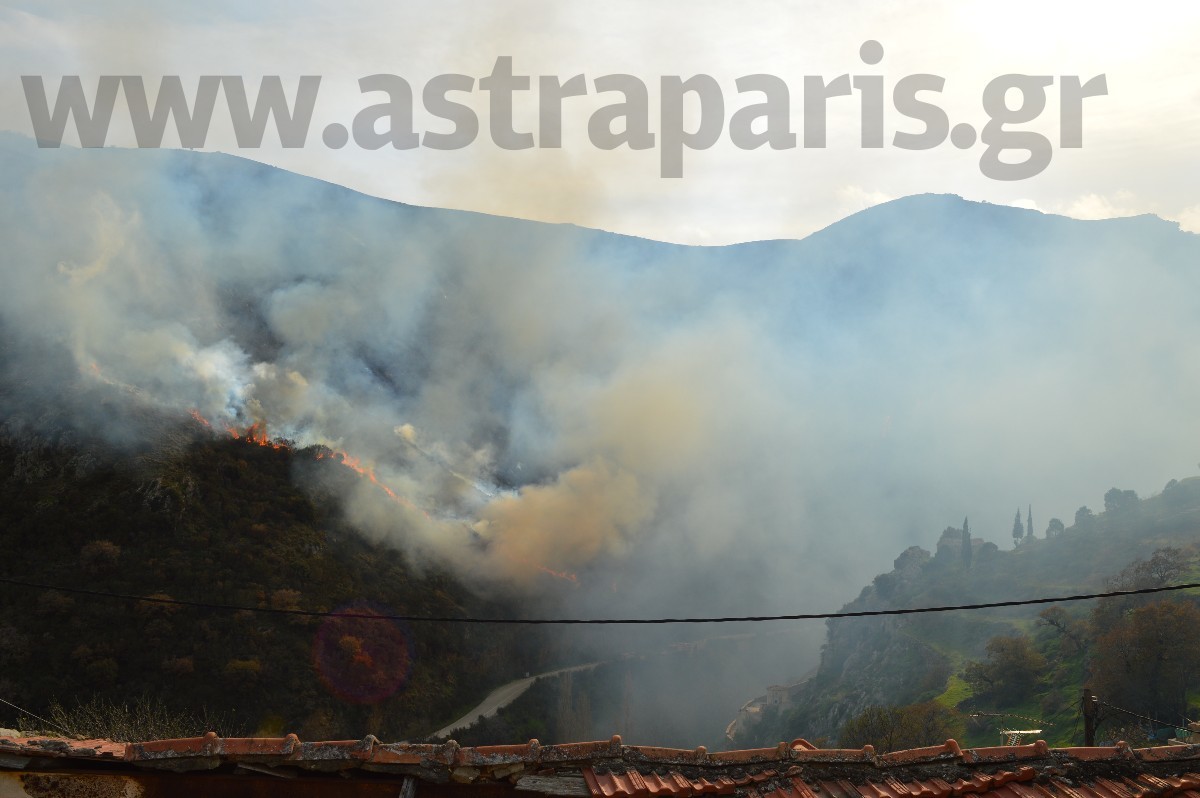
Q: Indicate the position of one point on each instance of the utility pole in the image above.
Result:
(1089, 707)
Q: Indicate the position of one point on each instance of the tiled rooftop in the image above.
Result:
(609, 769)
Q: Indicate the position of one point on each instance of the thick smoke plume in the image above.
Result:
(737, 429)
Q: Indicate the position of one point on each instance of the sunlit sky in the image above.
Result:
(1140, 142)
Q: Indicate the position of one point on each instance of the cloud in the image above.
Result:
(1097, 206)
(1189, 219)
(857, 198)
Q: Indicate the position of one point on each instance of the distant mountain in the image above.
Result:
(595, 423)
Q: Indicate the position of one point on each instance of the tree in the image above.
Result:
(1010, 672)
(1118, 501)
(1054, 528)
(898, 727)
(1018, 528)
(1084, 518)
(1069, 630)
(949, 546)
(1163, 567)
(1029, 523)
(966, 545)
(1145, 660)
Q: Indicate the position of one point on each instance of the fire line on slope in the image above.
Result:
(256, 434)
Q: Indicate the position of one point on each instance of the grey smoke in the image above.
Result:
(747, 429)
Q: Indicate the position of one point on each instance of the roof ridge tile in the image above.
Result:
(950, 748)
(1168, 752)
(864, 754)
(1096, 753)
(1006, 753)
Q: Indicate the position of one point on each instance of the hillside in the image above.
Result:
(907, 660)
(213, 519)
(767, 407)
(564, 421)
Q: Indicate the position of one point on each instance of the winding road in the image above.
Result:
(505, 694)
(502, 696)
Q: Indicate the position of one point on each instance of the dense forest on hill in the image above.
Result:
(209, 518)
(910, 680)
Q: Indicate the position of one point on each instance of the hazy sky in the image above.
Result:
(1139, 149)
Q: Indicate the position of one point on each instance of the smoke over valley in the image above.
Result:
(631, 428)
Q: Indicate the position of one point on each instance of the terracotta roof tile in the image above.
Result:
(839, 788)
(725, 757)
(210, 745)
(801, 788)
(1109, 788)
(1008, 753)
(403, 754)
(1166, 753)
(1097, 753)
(578, 752)
(504, 753)
(58, 747)
(609, 769)
(948, 749)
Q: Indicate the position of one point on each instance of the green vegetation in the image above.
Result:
(222, 521)
(897, 728)
(1020, 667)
(955, 693)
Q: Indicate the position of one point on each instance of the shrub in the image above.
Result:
(99, 556)
(179, 666)
(145, 718)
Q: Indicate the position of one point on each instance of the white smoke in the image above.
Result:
(715, 430)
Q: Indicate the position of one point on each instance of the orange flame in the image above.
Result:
(199, 418)
(355, 465)
(256, 433)
(565, 576)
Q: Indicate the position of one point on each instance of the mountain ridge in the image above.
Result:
(734, 430)
(909, 202)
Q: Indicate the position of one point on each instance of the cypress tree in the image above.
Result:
(966, 545)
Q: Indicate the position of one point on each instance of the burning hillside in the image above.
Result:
(722, 428)
(256, 435)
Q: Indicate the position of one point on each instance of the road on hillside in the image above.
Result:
(502, 696)
(505, 694)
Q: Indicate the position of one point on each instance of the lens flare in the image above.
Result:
(361, 657)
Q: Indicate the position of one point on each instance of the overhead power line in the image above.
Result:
(1009, 715)
(1159, 723)
(810, 616)
(35, 717)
